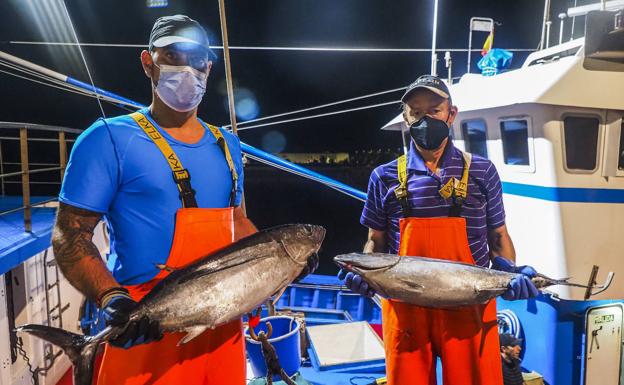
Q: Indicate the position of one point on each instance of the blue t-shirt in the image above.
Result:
(116, 170)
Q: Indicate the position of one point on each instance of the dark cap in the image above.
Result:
(430, 82)
(178, 29)
(509, 340)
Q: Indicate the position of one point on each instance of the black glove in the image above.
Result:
(311, 266)
(116, 308)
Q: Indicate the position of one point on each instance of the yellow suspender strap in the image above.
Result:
(461, 188)
(458, 189)
(401, 191)
(181, 175)
(226, 151)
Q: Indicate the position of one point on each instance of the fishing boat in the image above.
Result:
(554, 129)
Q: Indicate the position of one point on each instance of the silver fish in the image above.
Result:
(217, 289)
(434, 282)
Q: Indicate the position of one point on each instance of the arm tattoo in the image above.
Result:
(76, 254)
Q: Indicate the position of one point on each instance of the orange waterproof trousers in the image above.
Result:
(215, 357)
(465, 339)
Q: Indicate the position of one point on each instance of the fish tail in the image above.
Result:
(541, 280)
(80, 349)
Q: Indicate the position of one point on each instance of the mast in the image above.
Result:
(228, 77)
(434, 56)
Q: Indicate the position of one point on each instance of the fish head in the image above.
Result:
(364, 264)
(300, 240)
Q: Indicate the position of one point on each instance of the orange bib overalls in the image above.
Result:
(466, 339)
(216, 356)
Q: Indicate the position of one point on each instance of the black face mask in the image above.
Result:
(429, 133)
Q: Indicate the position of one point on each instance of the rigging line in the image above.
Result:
(66, 87)
(31, 72)
(41, 76)
(319, 115)
(319, 107)
(270, 48)
(45, 84)
(330, 185)
(84, 60)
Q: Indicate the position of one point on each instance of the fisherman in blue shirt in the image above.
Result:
(169, 187)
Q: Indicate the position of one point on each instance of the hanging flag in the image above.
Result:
(487, 46)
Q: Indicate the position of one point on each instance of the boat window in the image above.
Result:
(621, 161)
(475, 140)
(515, 136)
(581, 142)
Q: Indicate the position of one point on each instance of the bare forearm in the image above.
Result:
(501, 244)
(376, 242)
(76, 254)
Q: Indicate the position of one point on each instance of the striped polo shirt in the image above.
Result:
(483, 207)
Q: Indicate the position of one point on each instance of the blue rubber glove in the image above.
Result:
(521, 286)
(116, 311)
(355, 283)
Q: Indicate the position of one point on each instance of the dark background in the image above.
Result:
(279, 81)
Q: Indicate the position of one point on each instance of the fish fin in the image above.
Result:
(191, 333)
(161, 266)
(81, 350)
(412, 285)
(278, 295)
(484, 295)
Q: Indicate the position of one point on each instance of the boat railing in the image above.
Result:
(55, 136)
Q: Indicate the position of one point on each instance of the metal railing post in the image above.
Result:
(25, 179)
(1, 169)
(62, 153)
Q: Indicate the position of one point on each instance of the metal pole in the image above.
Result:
(228, 77)
(25, 179)
(434, 57)
(546, 17)
(62, 153)
(449, 66)
(1, 169)
(603, 5)
(469, 47)
(562, 17)
(405, 142)
(548, 24)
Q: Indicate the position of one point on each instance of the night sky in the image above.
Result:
(280, 81)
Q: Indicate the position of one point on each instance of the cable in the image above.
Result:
(319, 115)
(71, 24)
(45, 84)
(98, 96)
(319, 107)
(269, 48)
(51, 82)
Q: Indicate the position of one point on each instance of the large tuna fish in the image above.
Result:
(213, 291)
(434, 282)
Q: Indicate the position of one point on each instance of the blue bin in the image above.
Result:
(285, 340)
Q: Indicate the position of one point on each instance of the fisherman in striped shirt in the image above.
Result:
(439, 202)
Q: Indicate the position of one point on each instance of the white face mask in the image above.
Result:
(181, 87)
